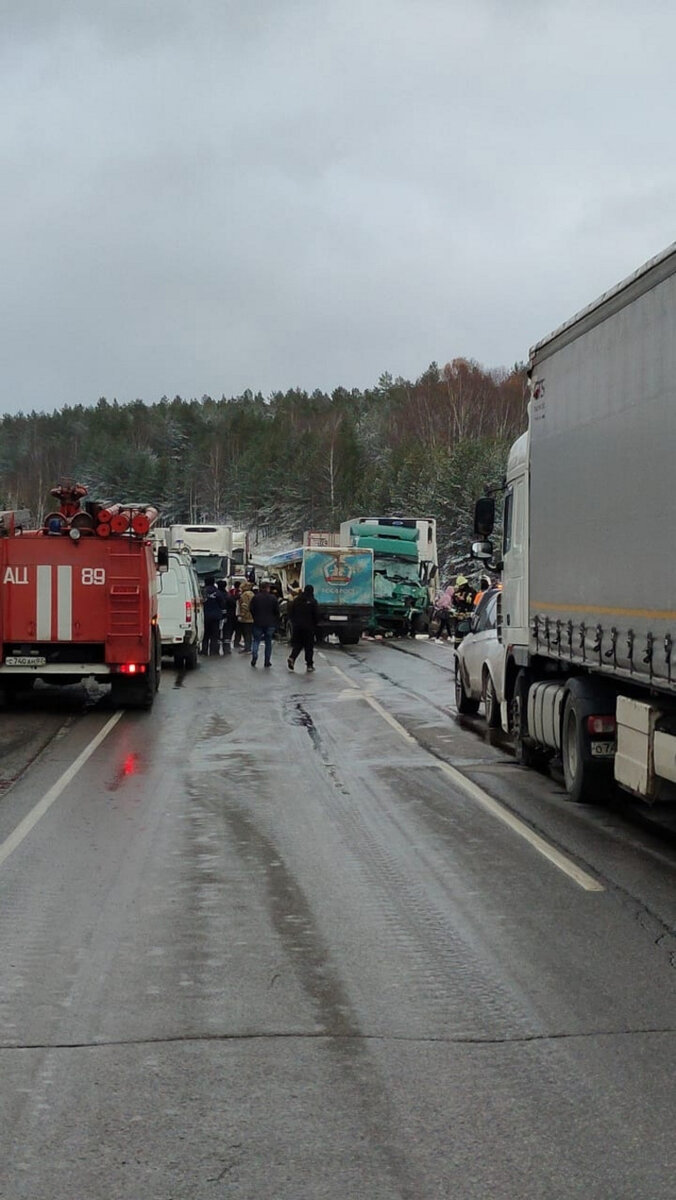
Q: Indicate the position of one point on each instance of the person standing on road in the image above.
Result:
(230, 618)
(265, 613)
(245, 619)
(235, 592)
(463, 595)
(304, 615)
(443, 608)
(214, 608)
(483, 588)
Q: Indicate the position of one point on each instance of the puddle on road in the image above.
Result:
(216, 727)
(296, 714)
(132, 764)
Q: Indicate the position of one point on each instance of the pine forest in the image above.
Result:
(286, 463)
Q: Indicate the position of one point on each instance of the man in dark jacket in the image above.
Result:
(304, 615)
(214, 609)
(230, 617)
(265, 613)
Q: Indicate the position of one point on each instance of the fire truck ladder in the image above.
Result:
(124, 597)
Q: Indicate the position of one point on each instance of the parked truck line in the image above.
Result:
(588, 620)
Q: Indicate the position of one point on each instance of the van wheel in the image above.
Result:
(191, 657)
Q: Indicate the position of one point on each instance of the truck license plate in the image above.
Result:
(25, 660)
(602, 749)
(342, 617)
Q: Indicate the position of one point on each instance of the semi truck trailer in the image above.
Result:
(588, 620)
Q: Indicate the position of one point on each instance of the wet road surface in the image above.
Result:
(262, 944)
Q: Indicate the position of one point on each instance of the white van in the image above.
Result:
(180, 610)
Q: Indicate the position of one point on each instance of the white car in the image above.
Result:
(479, 662)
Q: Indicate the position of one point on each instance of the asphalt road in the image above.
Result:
(276, 941)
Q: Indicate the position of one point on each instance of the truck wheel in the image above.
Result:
(349, 639)
(131, 694)
(585, 782)
(464, 703)
(491, 705)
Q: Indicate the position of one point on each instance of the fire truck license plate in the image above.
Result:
(602, 749)
(25, 660)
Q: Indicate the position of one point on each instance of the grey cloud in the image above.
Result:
(203, 197)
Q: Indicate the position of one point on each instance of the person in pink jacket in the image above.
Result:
(443, 608)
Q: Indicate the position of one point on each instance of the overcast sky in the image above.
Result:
(200, 196)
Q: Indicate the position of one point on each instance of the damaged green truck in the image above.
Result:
(404, 565)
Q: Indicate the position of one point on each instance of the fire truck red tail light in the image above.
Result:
(601, 725)
(132, 668)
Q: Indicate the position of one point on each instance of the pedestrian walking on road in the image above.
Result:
(304, 615)
(265, 614)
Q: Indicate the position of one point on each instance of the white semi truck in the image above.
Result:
(588, 621)
(209, 545)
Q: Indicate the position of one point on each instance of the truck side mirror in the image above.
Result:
(484, 516)
(482, 550)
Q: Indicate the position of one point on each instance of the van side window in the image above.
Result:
(507, 522)
(169, 583)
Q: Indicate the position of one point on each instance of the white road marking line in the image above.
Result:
(377, 706)
(343, 675)
(554, 856)
(30, 821)
(471, 789)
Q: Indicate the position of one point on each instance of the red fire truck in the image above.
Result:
(78, 597)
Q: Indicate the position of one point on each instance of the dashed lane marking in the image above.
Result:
(31, 819)
(569, 868)
(554, 856)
